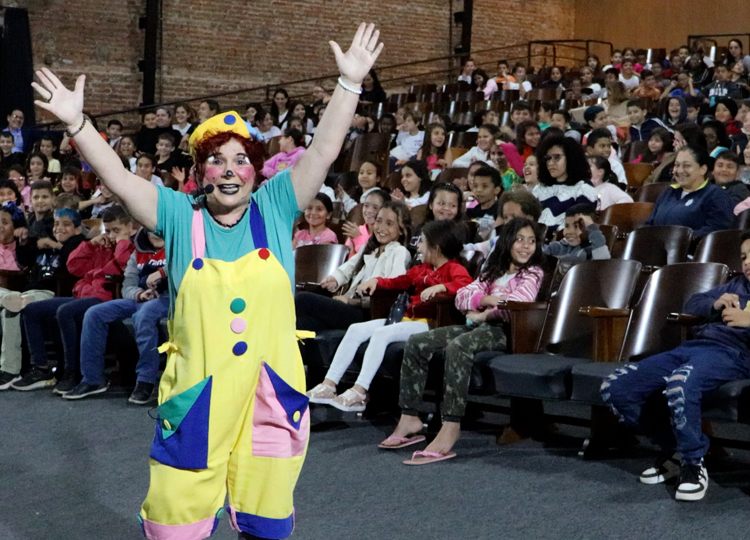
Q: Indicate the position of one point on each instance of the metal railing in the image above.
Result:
(440, 70)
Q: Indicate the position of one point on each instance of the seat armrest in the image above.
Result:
(13, 280)
(684, 319)
(610, 326)
(601, 312)
(113, 284)
(512, 305)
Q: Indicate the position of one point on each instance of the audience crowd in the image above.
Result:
(532, 180)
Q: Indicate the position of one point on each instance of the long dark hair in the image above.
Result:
(420, 169)
(404, 223)
(602, 163)
(577, 167)
(721, 132)
(427, 144)
(445, 235)
(275, 108)
(448, 188)
(500, 259)
(521, 130)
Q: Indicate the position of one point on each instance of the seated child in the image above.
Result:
(145, 298)
(416, 182)
(165, 156)
(512, 273)
(481, 152)
(145, 167)
(641, 125)
(71, 181)
(48, 148)
(9, 193)
(368, 178)
(488, 185)
(17, 174)
(47, 261)
(508, 174)
(409, 139)
(717, 355)
(726, 174)
(659, 144)
(605, 183)
(291, 148)
(316, 215)
(561, 120)
(92, 261)
(42, 218)
(102, 199)
(357, 236)
(435, 150)
(599, 143)
(582, 240)
(440, 245)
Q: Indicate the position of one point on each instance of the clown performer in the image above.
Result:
(232, 415)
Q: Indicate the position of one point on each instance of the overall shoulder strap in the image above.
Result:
(198, 235)
(257, 226)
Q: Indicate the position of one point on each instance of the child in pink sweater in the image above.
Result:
(291, 146)
(316, 216)
(512, 273)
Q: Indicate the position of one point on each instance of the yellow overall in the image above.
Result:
(232, 414)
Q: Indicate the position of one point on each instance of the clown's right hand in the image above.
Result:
(66, 105)
(329, 283)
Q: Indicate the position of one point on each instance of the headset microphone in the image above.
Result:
(209, 189)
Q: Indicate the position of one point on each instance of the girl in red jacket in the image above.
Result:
(440, 244)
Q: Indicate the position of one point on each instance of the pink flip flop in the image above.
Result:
(402, 442)
(428, 457)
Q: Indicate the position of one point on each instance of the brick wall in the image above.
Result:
(215, 46)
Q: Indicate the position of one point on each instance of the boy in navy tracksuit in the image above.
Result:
(641, 125)
(719, 353)
(145, 298)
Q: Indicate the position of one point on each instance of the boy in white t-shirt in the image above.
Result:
(409, 140)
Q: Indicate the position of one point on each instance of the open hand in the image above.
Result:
(350, 229)
(398, 195)
(360, 57)
(178, 174)
(430, 292)
(66, 105)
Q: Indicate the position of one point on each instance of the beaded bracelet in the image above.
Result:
(349, 88)
(83, 124)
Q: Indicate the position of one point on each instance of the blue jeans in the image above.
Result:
(146, 317)
(67, 314)
(683, 375)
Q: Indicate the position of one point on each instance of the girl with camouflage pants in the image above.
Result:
(511, 274)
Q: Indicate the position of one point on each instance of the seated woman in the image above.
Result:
(440, 272)
(717, 355)
(564, 176)
(692, 201)
(512, 272)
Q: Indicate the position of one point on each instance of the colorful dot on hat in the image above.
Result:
(239, 348)
(198, 264)
(230, 119)
(263, 253)
(238, 325)
(238, 305)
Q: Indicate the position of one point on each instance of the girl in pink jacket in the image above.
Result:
(291, 146)
(512, 273)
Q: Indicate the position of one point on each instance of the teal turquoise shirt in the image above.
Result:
(278, 206)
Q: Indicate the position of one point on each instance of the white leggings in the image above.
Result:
(380, 336)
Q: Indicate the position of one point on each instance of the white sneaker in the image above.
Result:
(351, 401)
(322, 394)
(666, 467)
(693, 483)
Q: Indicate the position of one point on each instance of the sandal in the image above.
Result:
(428, 457)
(401, 442)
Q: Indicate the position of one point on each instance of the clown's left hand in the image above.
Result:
(361, 56)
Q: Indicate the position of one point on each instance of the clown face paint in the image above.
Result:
(232, 174)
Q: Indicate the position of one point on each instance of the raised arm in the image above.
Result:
(139, 196)
(310, 171)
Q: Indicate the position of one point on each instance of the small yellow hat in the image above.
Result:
(221, 123)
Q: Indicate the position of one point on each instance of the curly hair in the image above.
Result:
(210, 145)
(577, 166)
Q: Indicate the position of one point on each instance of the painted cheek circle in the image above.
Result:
(213, 173)
(245, 174)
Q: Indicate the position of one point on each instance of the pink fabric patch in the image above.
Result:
(238, 325)
(191, 531)
(198, 235)
(273, 435)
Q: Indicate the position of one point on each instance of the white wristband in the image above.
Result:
(349, 88)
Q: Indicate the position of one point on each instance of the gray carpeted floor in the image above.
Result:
(80, 470)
